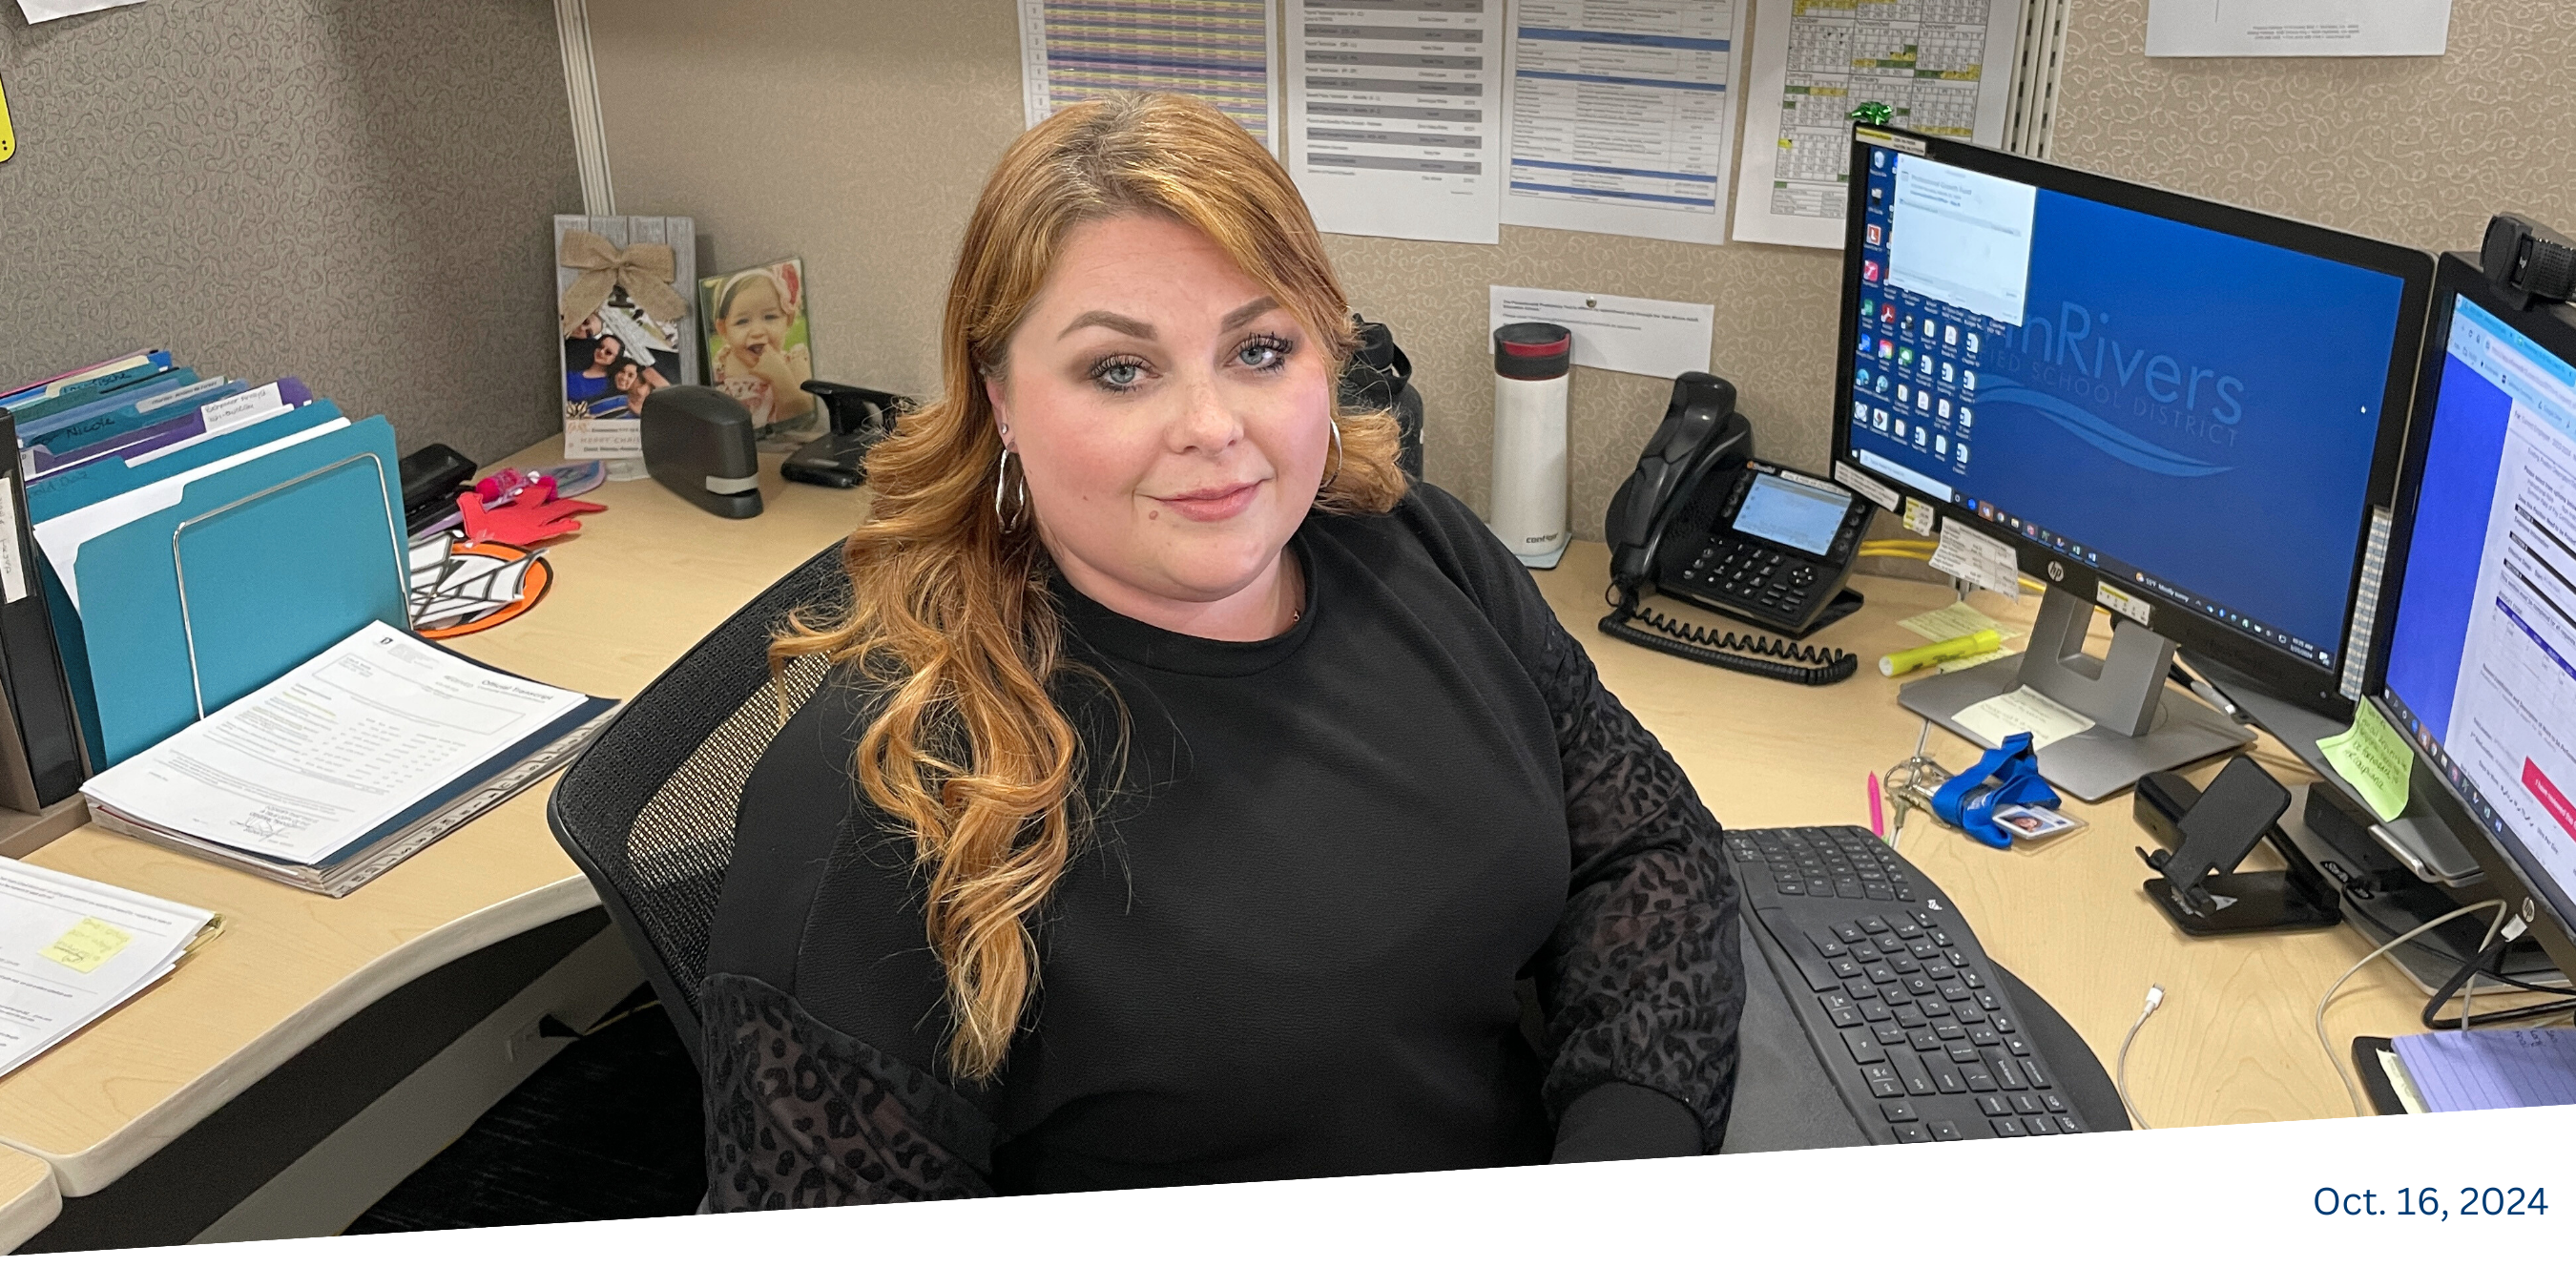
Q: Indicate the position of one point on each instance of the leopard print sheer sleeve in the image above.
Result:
(1642, 982)
(801, 1115)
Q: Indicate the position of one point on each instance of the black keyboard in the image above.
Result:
(1900, 1003)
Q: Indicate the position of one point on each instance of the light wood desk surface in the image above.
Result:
(29, 1200)
(640, 583)
(2233, 1041)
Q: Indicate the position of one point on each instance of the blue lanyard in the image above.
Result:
(1967, 803)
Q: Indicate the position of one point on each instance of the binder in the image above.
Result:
(188, 589)
(41, 761)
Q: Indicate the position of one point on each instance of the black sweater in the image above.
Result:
(1288, 945)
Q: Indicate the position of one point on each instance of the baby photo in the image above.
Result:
(757, 351)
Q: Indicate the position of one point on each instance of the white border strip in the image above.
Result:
(581, 90)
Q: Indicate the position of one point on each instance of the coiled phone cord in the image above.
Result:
(1704, 644)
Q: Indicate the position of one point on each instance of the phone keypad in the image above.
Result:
(1754, 575)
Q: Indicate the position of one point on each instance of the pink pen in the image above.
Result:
(1877, 810)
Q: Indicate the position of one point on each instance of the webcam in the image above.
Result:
(2528, 258)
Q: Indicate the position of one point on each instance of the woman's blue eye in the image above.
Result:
(1263, 353)
(1120, 375)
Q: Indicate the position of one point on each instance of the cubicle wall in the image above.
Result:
(352, 191)
(356, 191)
(854, 132)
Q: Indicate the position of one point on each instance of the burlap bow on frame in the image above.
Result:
(645, 269)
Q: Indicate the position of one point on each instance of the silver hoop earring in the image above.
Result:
(1001, 484)
(1337, 455)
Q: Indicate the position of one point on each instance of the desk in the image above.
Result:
(28, 1199)
(2233, 1042)
(651, 575)
(642, 582)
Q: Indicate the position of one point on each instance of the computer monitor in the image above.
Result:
(2476, 663)
(2177, 410)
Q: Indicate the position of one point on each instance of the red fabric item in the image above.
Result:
(533, 516)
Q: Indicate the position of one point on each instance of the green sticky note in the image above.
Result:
(2374, 759)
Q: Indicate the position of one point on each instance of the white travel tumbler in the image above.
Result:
(1532, 363)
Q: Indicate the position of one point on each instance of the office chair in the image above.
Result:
(647, 811)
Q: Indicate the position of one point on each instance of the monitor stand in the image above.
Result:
(2140, 724)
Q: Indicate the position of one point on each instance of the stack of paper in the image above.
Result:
(347, 764)
(71, 950)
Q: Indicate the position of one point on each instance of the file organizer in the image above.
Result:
(41, 762)
(185, 583)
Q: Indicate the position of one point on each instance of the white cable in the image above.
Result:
(2375, 954)
(2120, 1079)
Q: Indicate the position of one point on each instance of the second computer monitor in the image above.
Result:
(2178, 409)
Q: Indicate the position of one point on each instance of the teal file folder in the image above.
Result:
(247, 572)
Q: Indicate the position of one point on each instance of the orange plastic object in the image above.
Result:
(540, 578)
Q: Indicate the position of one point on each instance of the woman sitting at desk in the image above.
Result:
(1212, 787)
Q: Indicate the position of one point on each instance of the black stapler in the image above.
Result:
(860, 419)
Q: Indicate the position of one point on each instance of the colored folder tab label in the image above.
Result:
(2374, 759)
(87, 946)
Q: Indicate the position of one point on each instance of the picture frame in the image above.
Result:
(618, 353)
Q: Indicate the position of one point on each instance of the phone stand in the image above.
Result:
(860, 419)
(2201, 891)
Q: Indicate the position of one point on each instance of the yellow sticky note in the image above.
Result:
(1918, 517)
(2374, 759)
(87, 946)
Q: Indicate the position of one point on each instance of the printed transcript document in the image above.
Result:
(71, 949)
(331, 750)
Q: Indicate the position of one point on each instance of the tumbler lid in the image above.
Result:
(1532, 350)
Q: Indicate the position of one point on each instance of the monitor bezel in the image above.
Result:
(2460, 278)
(2275, 671)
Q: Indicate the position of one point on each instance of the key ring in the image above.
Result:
(1912, 781)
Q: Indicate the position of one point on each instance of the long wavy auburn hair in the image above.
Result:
(950, 614)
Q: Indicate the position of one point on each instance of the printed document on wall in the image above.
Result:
(1622, 115)
(2296, 28)
(1943, 67)
(1219, 50)
(1395, 116)
(48, 10)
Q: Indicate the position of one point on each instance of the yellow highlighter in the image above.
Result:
(1933, 654)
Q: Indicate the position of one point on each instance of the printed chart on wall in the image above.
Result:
(1219, 50)
(1395, 116)
(1623, 115)
(1943, 67)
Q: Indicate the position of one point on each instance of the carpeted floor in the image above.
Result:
(609, 1128)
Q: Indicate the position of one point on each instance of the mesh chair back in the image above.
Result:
(647, 811)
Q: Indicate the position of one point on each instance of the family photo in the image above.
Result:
(615, 359)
